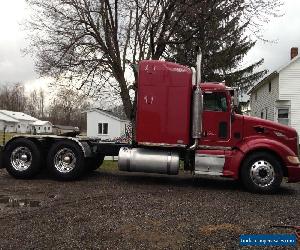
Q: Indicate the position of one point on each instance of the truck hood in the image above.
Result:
(259, 127)
(269, 125)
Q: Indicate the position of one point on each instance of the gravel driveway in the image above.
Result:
(113, 210)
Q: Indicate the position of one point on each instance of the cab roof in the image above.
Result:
(214, 86)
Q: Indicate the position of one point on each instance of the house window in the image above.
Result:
(262, 114)
(45, 128)
(48, 128)
(102, 128)
(19, 126)
(270, 86)
(39, 128)
(283, 116)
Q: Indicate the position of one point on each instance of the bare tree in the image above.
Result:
(41, 103)
(95, 44)
(67, 108)
(31, 107)
(35, 104)
(12, 97)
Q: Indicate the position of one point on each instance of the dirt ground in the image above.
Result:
(108, 209)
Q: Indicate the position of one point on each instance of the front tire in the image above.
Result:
(261, 173)
(65, 161)
(22, 158)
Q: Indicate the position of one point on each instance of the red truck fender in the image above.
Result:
(235, 157)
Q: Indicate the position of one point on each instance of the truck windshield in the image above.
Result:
(214, 101)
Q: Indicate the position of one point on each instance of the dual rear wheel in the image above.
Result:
(65, 160)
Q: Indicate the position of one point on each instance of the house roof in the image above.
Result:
(18, 115)
(7, 118)
(41, 123)
(107, 113)
(272, 75)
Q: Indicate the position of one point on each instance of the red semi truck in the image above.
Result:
(178, 118)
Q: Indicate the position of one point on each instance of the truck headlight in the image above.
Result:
(293, 159)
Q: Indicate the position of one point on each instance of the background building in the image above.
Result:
(8, 123)
(42, 127)
(21, 123)
(105, 125)
(277, 96)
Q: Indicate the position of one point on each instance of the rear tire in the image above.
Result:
(261, 173)
(22, 158)
(94, 163)
(65, 161)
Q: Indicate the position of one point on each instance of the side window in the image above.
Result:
(100, 128)
(283, 116)
(103, 128)
(214, 101)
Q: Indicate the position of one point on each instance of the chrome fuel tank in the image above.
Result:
(148, 161)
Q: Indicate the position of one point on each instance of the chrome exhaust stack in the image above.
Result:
(197, 105)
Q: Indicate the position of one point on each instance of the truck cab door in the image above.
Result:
(216, 119)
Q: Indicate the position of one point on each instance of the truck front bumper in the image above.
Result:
(293, 173)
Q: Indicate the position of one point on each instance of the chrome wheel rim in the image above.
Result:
(65, 160)
(21, 158)
(262, 173)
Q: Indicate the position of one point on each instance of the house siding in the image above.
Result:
(23, 127)
(289, 89)
(94, 118)
(265, 100)
(2, 124)
(10, 127)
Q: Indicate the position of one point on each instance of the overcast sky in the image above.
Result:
(14, 67)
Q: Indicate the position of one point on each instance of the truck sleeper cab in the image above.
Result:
(178, 118)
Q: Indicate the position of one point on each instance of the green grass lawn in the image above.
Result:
(7, 137)
(109, 166)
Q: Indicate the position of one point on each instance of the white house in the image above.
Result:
(104, 125)
(18, 122)
(277, 96)
(42, 127)
(24, 120)
(8, 123)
